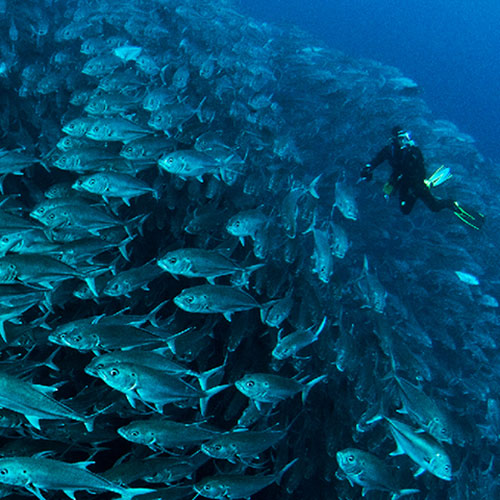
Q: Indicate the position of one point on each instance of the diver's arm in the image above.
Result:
(383, 155)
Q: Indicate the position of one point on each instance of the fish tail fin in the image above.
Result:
(280, 474)
(90, 280)
(208, 394)
(312, 187)
(204, 376)
(310, 385)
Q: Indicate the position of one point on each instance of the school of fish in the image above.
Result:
(198, 300)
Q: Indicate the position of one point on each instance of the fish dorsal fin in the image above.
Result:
(45, 389)
(84, 464)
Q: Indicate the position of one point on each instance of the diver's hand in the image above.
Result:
(366, 172)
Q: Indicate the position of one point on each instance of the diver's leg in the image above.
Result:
(434, 204)
(406, 199)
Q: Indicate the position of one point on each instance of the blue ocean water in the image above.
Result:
(450, 48)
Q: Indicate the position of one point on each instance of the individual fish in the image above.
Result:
(86, 158)
(152, 387)
(289, 345)
(246, 223)
(176, 469)
(162, 434)
(115, 129)
(174, 116)
(372, 290)
(79, 217)
(241, 445)
(345, 201)
(104, 335)
(111, 105)
(467, 278)
(147, 149)
(210, 299)
(35, 402)
(322, 256)
(268, 388)
(370, 473)
(201, 263)
(233, 486)
(113, 185)
(101, 65)
(276, 311)
(424, 450)
(133, 279)
(189, 163)
(37, 270)
(290, 209)
(340, 241)
(36, 474)
(157, 98)
(156, 359)
(78, 127)
(424, 411)
(15, 161)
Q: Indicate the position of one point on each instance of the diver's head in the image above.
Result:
(402, 137)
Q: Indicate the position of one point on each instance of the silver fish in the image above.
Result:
(209, 299)
(370, 473)
(35, 474)
(424, 450)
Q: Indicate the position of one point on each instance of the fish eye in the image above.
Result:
(189, 299)
(92, 182)
(128, 150)
(134, 433)
(218, 447)
(170, 160)
(114, 372)
(77, 338)
(4, 471)
(71, 126)
(350, 458)
(250, 383)
(96, 129)
(172, 260)
(207, 487)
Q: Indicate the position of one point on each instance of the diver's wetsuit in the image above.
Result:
(408, 175)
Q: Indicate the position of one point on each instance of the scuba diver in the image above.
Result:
(409, 178)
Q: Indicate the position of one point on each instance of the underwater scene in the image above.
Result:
(236, 263)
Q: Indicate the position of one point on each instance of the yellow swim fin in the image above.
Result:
(469, 216)
(442, 174)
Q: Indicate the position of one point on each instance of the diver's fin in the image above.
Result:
(471, 217)
(442, 174)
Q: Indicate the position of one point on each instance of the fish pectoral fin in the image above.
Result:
(419, 471)
(70, 494)
(35, 490)
(397, 451)
(34, 421)
(132, 400)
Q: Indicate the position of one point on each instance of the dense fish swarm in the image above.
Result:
(197, 299)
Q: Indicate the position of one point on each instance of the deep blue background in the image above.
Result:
(451, 48)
